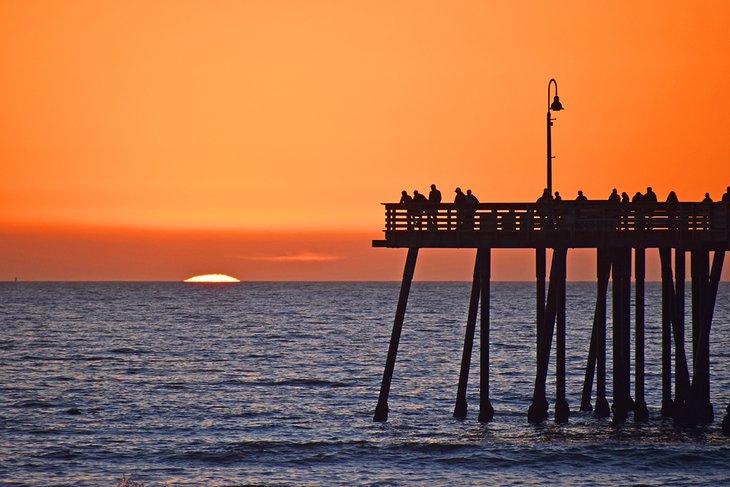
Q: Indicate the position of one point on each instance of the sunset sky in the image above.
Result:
(155, 140)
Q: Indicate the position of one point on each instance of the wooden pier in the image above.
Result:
(621, 235)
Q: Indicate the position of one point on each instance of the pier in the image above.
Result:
(621, 233)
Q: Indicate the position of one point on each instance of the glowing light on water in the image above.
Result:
(211, 278)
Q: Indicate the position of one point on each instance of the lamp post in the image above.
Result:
(554, 106)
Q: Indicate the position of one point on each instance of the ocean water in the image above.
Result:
(276, 383)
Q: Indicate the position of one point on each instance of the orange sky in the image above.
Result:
(130, 129)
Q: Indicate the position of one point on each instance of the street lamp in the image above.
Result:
(555, 106)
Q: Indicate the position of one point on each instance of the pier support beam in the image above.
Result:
(381, 410)
(682, 386)
(585, 398)
(562, 411)
(621, 270)
(585, 401)
(641, 412)
(604, 271)
(538, 410)
(701, 409)
(665, 255)
(540, 263)
(486, 411)
(471, 320)
(626, 330)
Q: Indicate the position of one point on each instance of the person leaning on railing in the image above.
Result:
(470, 203)
(615, 212)
(459, 204)
(420, 203)
(673, 210)
(544, 203)
(407, 201)
(707, 210)
(434, 199)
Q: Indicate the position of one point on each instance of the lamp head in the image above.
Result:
(556, 105)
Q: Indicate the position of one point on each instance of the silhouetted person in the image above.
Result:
(581, 197)
(673, 203)
(543, 204)
(459, 204)
(614, 197)
(726, 196)
(625, 201)
(434, 196)
(470, 202)
(460, 198)
(557, 198)
(407, 200)
(650, 196)
(615, 200)
(707, 202)
(545, 197)
(638, 201)
(434, 199)
(419, 204)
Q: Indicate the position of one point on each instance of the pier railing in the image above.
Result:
(577, 224)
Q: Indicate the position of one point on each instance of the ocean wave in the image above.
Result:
(305, 382)
(34, 404)
(127, 350)
(257, 450)
(73, 358)
(63, 454)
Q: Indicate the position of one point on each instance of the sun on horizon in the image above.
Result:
(212, 278)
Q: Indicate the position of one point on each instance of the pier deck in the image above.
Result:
(570, 224)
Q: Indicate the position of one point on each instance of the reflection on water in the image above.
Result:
(277, 382)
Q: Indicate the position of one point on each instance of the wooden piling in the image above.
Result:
(701, 408)
(381, 410)
(626, 329)
(678, 316)
(620, 381)
(538, 410)
(461, 404)
(562, 411)
(540, 263)
(667, 306)
(585, 401)
(696, 286)
(681, 413)
(486, 411)
(585, 398)
(641, 412)
(602, 409)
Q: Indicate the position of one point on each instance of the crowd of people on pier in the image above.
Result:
(466, 204)
(647, 198)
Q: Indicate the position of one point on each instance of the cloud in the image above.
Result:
(298, 257)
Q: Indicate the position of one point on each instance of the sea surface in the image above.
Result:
(276, 384)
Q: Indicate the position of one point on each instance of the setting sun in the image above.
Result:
(217, 278)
